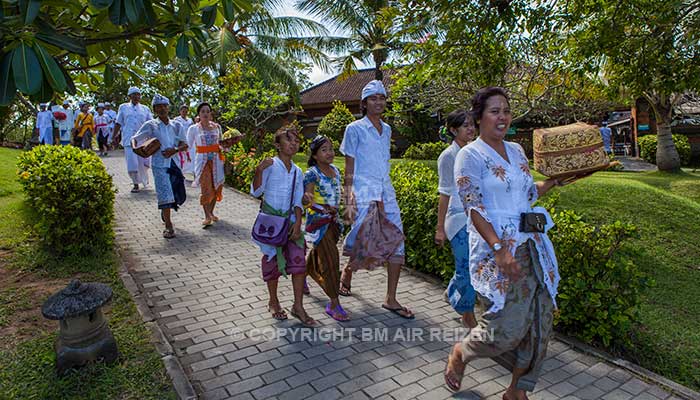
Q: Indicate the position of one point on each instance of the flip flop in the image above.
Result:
(169, 233)
(453, 382)
(406, 312)
(308, 322)
(279, 315)
(344, 289)
(207, 223)
(337, 313)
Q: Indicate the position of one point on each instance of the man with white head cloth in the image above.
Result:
(112, 117)
(130, 117)
(376, 237)
(167, 176)
(44, 125)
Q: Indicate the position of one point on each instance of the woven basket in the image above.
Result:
(148, 148)
(568, 150)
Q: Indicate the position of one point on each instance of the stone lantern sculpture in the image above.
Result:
(83, 332)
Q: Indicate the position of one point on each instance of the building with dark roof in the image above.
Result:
(317, 101)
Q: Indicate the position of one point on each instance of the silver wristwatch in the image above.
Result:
(496, 247)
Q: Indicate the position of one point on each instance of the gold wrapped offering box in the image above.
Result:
(568, 150)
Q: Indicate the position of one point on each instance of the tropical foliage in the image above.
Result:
(373, 27)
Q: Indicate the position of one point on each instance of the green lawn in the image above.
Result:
(27, 369)
(666, 209)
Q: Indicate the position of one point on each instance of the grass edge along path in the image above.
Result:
(27, 371)
(666, 210)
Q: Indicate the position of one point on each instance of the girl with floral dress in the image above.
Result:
(323, 226)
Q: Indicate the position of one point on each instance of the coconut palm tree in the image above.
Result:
(374, 33)
(264, 37)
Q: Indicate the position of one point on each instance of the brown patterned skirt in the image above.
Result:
(323, 262)
(206, 182)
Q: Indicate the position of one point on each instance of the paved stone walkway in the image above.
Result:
(205, 291)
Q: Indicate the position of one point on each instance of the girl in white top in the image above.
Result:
(275, 178)
(452, 221)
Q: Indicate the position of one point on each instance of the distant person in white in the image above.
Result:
(130, 117)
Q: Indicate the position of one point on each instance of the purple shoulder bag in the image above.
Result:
(271, 229)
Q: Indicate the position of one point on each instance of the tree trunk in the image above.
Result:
(667, 158)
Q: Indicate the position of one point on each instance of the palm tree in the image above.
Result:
(374, 33)
(265, 37)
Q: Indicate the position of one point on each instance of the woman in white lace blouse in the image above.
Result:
(513, 268)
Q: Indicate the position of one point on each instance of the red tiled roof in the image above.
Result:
(348, 90)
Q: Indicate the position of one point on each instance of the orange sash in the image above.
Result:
(212, 148)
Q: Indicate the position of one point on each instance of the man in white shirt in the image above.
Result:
(65, 126)
(44, 125)
(167, 176)
(130, 117)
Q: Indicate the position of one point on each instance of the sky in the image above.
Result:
(317, 75)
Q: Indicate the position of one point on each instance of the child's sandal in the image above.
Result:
(337, 313)
(344, 289)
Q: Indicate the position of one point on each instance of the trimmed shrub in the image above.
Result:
(73, 197)
(334, 123)
(425, 151)
(647, 148)
(417, 195)
(600, 290)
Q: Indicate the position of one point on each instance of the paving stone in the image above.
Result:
(270, 390)
(589, 392)
(205, 291)
(617, 394)
(381, 388)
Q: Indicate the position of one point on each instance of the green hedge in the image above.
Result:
(417, 195)
(72, 195)
(425, 151)
(647, 148)
(599, 293)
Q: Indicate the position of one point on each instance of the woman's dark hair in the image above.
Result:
(480, 98)
(199, 107)
(455, 119)
(316, 144)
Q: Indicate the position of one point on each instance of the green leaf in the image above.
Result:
(26, 69)
(44, 94)
(70, 85)
(133, 11)
(117, 13)
(183, 49)
(149, 14)
(109, 75)
(162, 53)
(229, 10)
(52, 71)
(209, 16)
(100, 4)
(7, 82)
(29, 10)
(48, 34)
(244, 5)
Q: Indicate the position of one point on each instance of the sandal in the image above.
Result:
(401, 311)
(453, 380)
(135, 189)
(344, 289)
(278, 314)
(207, 223)
(337, 313)
(308, 322)
(169, 233)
